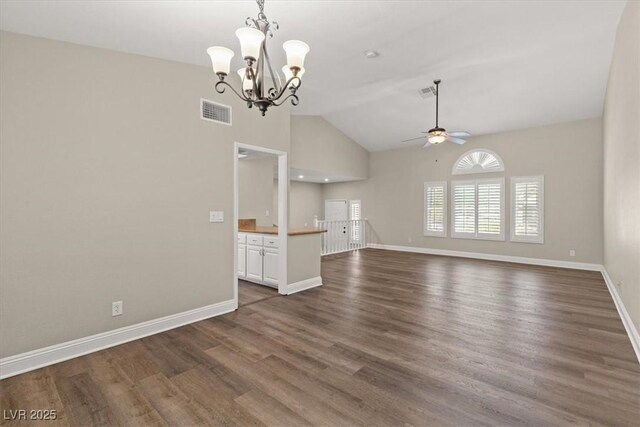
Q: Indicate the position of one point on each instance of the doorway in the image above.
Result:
(239, 153)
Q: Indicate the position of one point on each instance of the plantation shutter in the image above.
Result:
(435, 207)
(464, 209)
(489, 209)
(355, 215)
(478, 209)
(527, 213)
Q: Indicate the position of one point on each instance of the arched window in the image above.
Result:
(478, 161)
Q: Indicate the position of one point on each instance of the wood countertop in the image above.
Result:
(274, 230)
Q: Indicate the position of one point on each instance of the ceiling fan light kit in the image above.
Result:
(253, 48)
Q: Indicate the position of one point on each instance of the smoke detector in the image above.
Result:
(371, 54)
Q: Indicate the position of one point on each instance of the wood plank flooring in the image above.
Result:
(391, 339)
(249, 293)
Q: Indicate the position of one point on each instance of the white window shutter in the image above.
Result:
(490, 209)
(478, 209)
(464, 209)
(527, 209)
(355, 216)
(435, 209)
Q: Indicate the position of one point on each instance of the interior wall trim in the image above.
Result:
(492, 257)
(303, 285)
(39, 358)
(624, 314)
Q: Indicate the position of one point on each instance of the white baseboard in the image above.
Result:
(303, 285)
(20, 363)
(492, 257)
(624, 314)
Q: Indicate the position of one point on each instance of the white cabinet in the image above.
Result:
(270, 266)
(254, 263)
(242, 261)
(258, 258)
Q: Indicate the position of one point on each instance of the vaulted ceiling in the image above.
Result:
(504, 64)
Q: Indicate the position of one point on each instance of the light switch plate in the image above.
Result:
(216, 216)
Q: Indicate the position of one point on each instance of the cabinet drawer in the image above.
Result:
(270, 242)
(254, 239)
(242, 238)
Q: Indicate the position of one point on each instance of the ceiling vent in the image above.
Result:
(427, 92)
(215, 112)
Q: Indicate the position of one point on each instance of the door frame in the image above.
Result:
(283, 221)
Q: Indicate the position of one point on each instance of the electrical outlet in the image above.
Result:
(572, 252)
(116, 308)
(267, 213)
(409, 239)
(619, 284)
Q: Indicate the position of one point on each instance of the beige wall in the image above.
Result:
(303, 257)
(305, 201)
(256, 192)
(621, 163)
(318, 146)
(569, 156)
(107, 177)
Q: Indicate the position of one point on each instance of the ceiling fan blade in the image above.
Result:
(413, 139)
(459, 133)
(456, 140)
(427, 145)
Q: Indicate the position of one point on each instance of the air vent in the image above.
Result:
(427, 92)
(215, 112)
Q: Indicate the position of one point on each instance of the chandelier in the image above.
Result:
(258, 88)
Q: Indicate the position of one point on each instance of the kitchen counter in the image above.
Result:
(274, 230)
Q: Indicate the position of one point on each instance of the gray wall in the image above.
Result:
(318, 146)
(107, 177)
(256, 192)
(305, 201)
(622, 163)
(569, 156)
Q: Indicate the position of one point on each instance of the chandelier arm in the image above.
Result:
(274, 96)
(253, 80)
(220, 88)
(265, 55)
(294, 100)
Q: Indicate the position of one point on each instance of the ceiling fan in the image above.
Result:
(438, 135)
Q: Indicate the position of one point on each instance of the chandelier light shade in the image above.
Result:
(296, 51)
(261, 85)
(250, 42)
(247, 83)
(220, 59)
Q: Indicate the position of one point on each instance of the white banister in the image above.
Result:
(342, 236)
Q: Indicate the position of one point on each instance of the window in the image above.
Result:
(435, 209)
(478, 209)
(527, 209)
(355, 215)
(478, 161)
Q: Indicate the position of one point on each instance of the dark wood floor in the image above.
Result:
(391, 339)
(249, 293)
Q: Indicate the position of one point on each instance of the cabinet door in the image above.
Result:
(242, 261)
(254, 263)
(271, 266)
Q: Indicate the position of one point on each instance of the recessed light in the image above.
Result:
(300, 176)
(326, 180)
(371, 54)
(242, 156)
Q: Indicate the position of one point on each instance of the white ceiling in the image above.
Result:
(504, 64)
